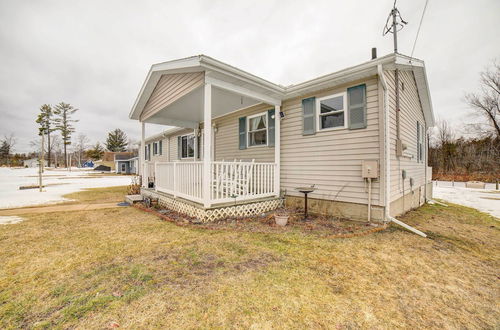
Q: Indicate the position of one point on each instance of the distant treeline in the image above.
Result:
(466, 159)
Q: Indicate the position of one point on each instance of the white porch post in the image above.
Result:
(277, 148)
(207, 145)
(142, 154)
(196, 141)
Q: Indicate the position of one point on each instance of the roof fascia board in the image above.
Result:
(167, 133)
(154, 75)
(172, 122)
(315, 84)
(241, 90)
(215, 65)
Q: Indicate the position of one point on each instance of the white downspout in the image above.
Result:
(387, 147)
(387, 154)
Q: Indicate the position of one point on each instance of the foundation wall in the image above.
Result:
(411, 200)
(338, 209)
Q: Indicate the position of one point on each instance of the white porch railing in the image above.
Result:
(241, 181)
(148, 170)
(183, 179)
(230, 181)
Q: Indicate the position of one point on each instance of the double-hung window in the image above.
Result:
(332, 111)
(155, 148)
(257, 129)
(187, 146)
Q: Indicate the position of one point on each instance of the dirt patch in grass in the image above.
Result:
(90, 269)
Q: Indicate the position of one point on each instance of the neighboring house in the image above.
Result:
(341, 132)
(33, 162)
(124, 164)
(108, 158)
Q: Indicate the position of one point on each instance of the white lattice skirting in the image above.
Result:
(215, 213)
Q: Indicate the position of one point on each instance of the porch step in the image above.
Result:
(131, 199)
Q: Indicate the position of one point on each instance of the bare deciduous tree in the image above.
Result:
(486, 103)
(80, 146)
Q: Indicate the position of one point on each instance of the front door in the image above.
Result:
(124, 168)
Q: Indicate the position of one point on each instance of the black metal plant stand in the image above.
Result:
(305, 191)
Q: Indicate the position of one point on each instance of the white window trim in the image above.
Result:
(248, 130)
(194, 145)
(318, 112)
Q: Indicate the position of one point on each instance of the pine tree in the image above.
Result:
(95, 152)
(63, 121)
(4, 152)
(117, 141)
(45, 121)
(6, 148)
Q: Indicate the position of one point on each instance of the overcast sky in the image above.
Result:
(96, 54)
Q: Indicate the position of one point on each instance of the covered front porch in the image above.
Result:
(191, 94)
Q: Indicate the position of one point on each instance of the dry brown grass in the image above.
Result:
(98, 195)
(88, 269)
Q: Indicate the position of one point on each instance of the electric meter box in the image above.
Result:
(369, 169)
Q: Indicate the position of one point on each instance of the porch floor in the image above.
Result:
(214, 206)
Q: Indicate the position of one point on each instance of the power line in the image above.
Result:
(419, 25)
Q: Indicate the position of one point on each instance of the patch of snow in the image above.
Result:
(57, 183)
(485, 200)
(9, 220)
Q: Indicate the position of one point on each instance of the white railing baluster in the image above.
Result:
(185, 179)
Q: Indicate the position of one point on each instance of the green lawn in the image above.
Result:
(89, 269)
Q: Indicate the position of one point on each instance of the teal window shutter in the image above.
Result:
(145, 152)
(161, 147)
(179, 147)
(356, 105)
(309, 116)
(243, 132)
(270, 127)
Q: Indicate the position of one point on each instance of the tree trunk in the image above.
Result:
(65, 156)
(48, 147)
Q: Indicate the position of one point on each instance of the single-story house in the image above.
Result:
(108, 158)
(125, 164)
(34, 162)
(354, 135)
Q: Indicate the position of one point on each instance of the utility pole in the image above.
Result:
(393, 28)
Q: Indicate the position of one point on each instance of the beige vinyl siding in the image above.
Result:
(330, 159)
(158, 157)
(173, 143)
(227, 137)
(411, 112)
(169, 89)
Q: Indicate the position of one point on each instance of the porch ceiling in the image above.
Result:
(188, 111)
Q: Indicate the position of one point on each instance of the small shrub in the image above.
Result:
(135, 186)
